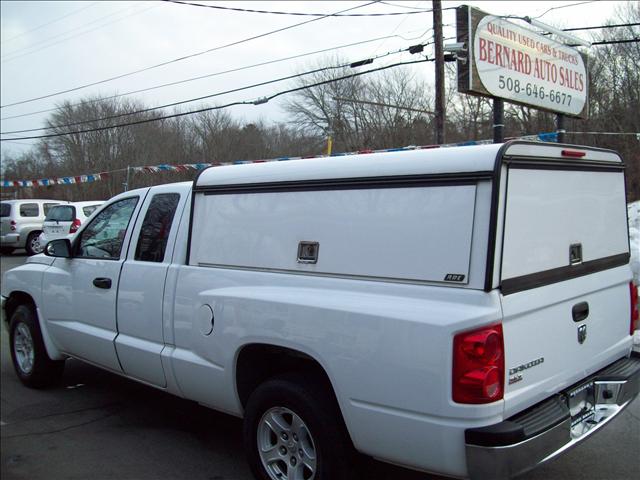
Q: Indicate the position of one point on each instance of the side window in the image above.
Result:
(156, 227)
(5, 209)
(47, 207)
(103, 237)
(89, 210)
(29, 210)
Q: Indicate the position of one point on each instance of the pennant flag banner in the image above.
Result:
(171, 168)
(43, 182)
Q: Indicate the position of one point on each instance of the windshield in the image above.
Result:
(61, 213)
(5, 209)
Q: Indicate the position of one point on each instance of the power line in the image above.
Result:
(255, 37)
(301, 14)
(401, 6)
(635, 134)
(58, 35)
(598, 27)
(562, 6)
(226, 92)
(611, 42)
(13, 55)
(50, 22)
(19, 143)
(233, 70)
(381, 104)
(259, 101)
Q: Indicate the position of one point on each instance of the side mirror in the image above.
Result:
(58, 248)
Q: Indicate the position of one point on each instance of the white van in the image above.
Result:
(63, 220)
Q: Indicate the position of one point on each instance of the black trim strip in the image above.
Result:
(555, 275)
(493, 220)
(583, 166)
(399, 181)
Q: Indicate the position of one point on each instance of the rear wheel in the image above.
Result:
(33, 244)
(30, 359)
(293, 430)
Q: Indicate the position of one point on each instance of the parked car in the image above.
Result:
(21, 224)
(464, 311)
(63, 220)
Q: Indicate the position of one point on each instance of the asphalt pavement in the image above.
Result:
(96, 425)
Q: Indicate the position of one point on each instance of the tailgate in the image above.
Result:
(547, 350)
(55, 228)
(564, 274)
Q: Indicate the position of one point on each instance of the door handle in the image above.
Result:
(102, 282)
(580, 311)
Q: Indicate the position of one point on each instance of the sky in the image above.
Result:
(50, 46)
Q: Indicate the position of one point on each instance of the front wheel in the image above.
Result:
(293, 430)
(30, 359)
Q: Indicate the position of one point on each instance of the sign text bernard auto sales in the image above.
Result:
(509, 61)
(519, 65)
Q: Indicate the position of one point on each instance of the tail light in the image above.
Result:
(478, 365)
(12, 225)
(74, 226)
(635, 314)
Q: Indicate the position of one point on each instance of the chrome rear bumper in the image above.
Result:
(546, 430)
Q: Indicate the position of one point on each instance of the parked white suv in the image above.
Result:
(21, 224)
(63, 220)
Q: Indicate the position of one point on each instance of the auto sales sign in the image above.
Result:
(508, 61)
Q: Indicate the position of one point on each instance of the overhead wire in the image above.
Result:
(300, 14)
(58, 35)
(19, 143)
(185, 57)
(200, 77)
(404, 19)
(401, 6)
(599, 27)
(258, 101)
(48, 23)
(14, 55)
(562, 6)
(233, 70)
(226, 92)
(635, 134)
(610, 42)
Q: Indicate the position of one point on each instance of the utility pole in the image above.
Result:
(498, 120)
(126, 183)
(439, 51)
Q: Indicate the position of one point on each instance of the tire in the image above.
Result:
(6, 250)
(30, 359)
(33, 246)
(293, 430)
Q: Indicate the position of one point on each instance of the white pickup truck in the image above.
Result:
(465, 311)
